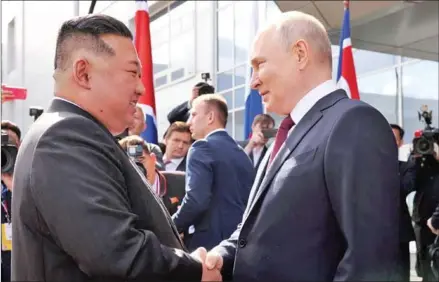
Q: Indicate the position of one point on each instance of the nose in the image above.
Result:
(140, 89)
(255, 82)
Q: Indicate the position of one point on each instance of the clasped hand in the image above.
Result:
(212, 263)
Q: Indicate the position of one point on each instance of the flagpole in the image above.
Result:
(92, 7)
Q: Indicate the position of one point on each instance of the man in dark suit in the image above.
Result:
(181, 112)
(407, 175)
(219, 176)
(177, 141)
(256, 146)
(324, 204)
(82, 210)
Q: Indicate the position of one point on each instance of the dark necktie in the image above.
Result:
(281, 135)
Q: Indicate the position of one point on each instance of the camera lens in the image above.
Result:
(423, 146)
(6, 160)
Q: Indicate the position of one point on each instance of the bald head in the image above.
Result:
(293, 26)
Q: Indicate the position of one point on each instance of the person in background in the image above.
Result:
(137, 127)
(219, 176)
(14, 134)
(256, 146)
(181, 112)
(168, 185)
(177, 141)
(324, 204)
(81, 209)
(407, 175)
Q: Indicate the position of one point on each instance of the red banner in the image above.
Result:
(13, 93)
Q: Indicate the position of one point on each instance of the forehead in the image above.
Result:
(122, 46)
(266, 39)
(180, 135)
(199, 106)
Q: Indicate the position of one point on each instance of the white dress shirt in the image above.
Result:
(310, 99)
(257, 152)
(172, 164)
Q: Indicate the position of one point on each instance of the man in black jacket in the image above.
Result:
(181, 112)
(407, 174)
(82, 210)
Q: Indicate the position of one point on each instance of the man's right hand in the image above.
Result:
(212, 263)
(195, 94)
(256, 139)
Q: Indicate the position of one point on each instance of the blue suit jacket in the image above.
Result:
(327, 207)
(219, 176)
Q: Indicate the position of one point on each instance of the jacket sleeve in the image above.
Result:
(408, 178)
(227, 250)
(361, 171)
(79, 189)
(199, 180)
(435, 218)
(179, 113)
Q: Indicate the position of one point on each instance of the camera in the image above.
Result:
(205, 76)
(424, 144)
(9, 154)
(135, 152)
(35, 112)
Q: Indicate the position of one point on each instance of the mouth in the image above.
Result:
(133, 103)
(263, 93)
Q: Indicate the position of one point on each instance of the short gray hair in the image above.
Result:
(294, 25)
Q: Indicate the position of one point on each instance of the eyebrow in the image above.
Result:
(255, 60)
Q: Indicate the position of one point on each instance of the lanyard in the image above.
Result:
(5, 204)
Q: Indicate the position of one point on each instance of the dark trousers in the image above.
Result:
(403, 267)
(424, 238)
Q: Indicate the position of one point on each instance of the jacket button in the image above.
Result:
(242, 243)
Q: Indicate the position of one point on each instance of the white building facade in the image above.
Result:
(194, 37)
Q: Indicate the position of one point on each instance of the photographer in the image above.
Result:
(11, 135)
(181, 112)
(169, 186)
(426, 157)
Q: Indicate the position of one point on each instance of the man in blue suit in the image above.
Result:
(324, 204)
(219, 176)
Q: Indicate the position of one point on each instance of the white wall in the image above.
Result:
(37, 31)
(37, 24)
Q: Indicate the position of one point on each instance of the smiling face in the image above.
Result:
(275, 72)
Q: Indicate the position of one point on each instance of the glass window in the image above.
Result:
(229, 125)
(366, 61)
(225, 38)
(239, 125)
(243, 24)
(160, 81)
(221, 4)
(224, 81)
(177, 74)
(239, 97)
(379, 90)
(160, 31)
(161, 58)
(272, 10)
(229, 99)
(184, 42)
(240, 74)
(419, 87)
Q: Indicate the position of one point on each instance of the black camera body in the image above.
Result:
(134, 152)
(8, 153)
(424, 145)
(35, 112)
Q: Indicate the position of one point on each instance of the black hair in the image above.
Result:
(205, 88)
(85, 32)
(399, 128)
(9, 125)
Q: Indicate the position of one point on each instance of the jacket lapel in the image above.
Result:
(299, 131)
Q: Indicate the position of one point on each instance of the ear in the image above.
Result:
(153, 157)
(301, 53)
(81, 73)
(211, 117)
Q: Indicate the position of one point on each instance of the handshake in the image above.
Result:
(212, 263)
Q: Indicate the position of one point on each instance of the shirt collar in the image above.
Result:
(311, 98)
(68, 101)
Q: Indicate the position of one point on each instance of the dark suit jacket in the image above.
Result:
(83, 211)
(179, 113)
(173, 184)
(327, 207)
(407, 174)
(219, 176)
(264, 151)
